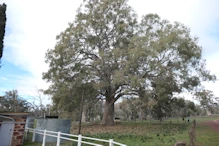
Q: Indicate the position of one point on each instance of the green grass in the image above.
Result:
(206, 136)
(144, 133)
(140, 134)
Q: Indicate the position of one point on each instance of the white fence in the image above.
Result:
(78, 138)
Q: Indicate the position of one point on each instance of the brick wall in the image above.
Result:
(18, 130)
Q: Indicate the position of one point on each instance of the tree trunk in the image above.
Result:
(108, 115)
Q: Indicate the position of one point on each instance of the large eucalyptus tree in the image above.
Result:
(117, 56)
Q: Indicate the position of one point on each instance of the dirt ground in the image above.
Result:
(214, 124)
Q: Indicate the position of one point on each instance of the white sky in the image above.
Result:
(32, 26)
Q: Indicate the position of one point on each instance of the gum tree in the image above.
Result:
(108, 49)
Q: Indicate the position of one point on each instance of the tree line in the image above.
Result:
(11, 101)
(134, 109)
(129, 109)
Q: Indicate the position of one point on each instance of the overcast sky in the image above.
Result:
(32, 26)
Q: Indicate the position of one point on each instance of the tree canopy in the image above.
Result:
(12, 102)
(106, 48)
(2, 27)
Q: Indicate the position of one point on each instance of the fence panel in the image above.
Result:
(79, 138)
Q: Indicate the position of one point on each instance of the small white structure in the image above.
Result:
(6, 131)
(12, 127)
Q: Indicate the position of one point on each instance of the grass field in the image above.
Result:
(144, 133)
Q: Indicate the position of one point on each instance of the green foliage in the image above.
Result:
(131, 109)
(12, 102)
(108, 49)
(2, 27)
(207, 100)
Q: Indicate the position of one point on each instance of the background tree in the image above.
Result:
(12, 102)
(207, 100)
(123, 108)
(2, 27)
(163, 89)
(108, 49)
(178, 106)
(151, 103)
(131, 109)
(93, 111)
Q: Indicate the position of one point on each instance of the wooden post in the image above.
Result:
(81, 110)
(192, 133)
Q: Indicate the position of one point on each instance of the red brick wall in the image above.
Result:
(18, 131)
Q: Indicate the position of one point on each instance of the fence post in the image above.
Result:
(44, 138)
(34, 133)
(79, 139)
(111, 142)
(58, 139)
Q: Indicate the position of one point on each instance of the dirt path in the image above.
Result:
(214, 124)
